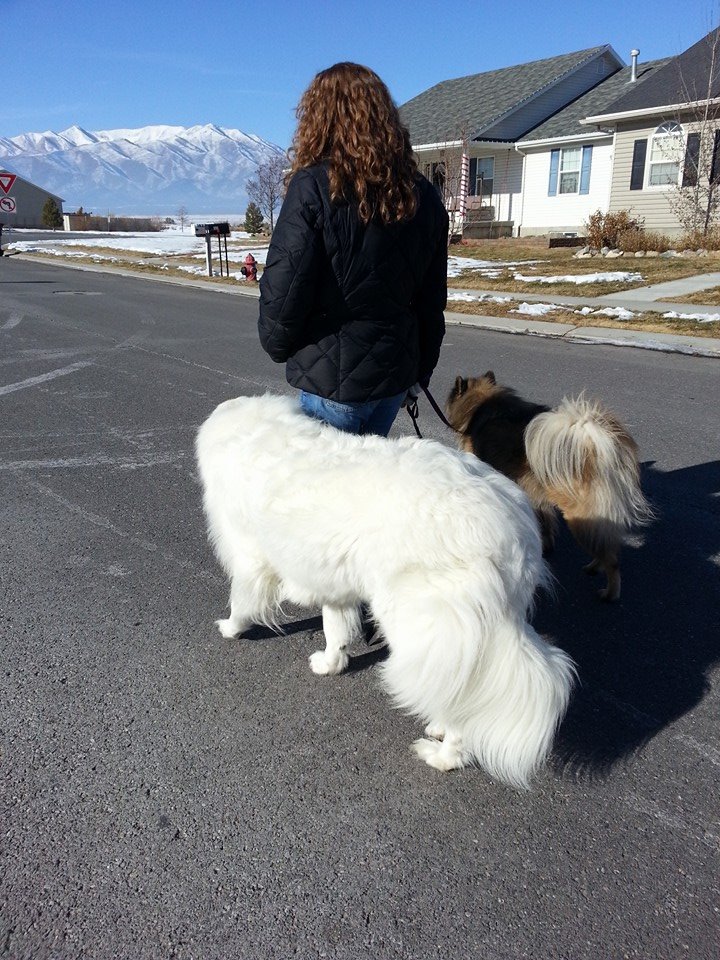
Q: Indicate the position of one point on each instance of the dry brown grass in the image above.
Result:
(649, 322)
(710, 298)
(561, 260)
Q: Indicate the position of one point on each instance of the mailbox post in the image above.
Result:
(210, 230)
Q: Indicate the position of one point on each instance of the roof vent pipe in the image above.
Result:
(633, 70)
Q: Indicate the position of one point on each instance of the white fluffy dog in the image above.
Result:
(444, 549)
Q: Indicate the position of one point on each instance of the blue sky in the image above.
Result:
(104, 64)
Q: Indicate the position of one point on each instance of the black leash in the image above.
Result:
(412, 409)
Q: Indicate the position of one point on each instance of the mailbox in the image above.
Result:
(212, 229)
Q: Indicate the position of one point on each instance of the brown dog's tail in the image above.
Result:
(583, 453)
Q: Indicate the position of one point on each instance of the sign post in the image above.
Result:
(7, 204)
(210, 230)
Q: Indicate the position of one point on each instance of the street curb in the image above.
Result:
(610, 336)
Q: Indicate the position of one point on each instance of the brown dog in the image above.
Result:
(577, 458)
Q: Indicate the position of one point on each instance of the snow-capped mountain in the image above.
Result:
(149, 170)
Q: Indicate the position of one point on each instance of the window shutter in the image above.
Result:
(473, 176)
(692, 156)
(715, 165)
(554, 165)
(585, 169)
(637, 175)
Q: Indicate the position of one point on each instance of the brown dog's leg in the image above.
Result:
(548, 528)
(601, 541)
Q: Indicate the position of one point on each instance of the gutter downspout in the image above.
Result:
(523, 154)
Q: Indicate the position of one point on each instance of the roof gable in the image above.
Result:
(693, 75)
(567, 122)
(475, 103)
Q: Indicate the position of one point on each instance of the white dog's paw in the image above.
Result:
(324, 663)
(435, 730)
(228, 628)
(440, 755)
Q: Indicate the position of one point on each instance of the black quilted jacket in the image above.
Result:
(355, 311)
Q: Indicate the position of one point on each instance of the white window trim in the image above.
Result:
(569, 193)
(649, 164)
(476, 194)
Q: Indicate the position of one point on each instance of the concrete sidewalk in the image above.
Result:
(640, 300)
(670, 342)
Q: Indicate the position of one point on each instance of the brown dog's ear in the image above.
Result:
(460, 387)
(489, 376)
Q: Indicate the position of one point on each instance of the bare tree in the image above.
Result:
(265, 190)
(449, 174)
(695, 200)
(182, 216)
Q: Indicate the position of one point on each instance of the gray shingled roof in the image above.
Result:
(474, 102)
(566, 122)
(684, 78)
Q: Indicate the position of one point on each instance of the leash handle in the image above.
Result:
(412, 409)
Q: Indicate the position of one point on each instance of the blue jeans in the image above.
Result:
(374, 416)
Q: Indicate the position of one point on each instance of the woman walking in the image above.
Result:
(355, 283)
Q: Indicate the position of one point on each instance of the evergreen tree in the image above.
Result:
(253, 218)
(51, 216)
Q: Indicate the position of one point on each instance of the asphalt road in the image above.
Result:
(169, 794)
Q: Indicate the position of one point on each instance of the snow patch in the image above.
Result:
(613, 276)
(477, 298)
(700, 317)
(537, 309)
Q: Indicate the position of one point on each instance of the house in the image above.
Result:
(465, 132)
(666, 134)
(22, 202)
(568, 165)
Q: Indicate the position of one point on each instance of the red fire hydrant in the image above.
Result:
(249, 268)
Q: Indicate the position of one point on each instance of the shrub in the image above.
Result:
(697, 240)
(603, 229)
(633, 240)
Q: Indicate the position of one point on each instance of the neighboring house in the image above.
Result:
(666, 134)
(465, 131)
(567, 165)
(21, 204)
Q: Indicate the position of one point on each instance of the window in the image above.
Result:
(570, 170)
(570, 160)
(435, 173)
(482, 177)
(666, 150)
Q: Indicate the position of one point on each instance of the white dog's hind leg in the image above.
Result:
(435, 730)
(253, 596)
(447, 754)
(341, 625)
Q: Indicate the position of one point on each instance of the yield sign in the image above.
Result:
(6, 181)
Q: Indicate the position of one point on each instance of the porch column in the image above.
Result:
(464, 184)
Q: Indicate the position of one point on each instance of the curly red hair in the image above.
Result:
(347, 118)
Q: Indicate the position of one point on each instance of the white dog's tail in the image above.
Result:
(489, 684)
(582, 450)
(515, 703)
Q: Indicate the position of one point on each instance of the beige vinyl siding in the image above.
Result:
(563, 213)
(650, 203)
(507, 180)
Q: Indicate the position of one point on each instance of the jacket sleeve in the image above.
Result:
(287, 286)
(429, 303)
